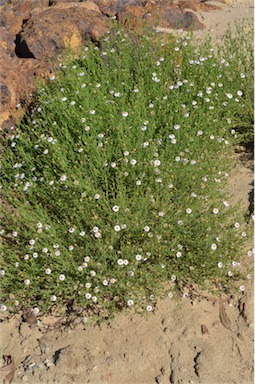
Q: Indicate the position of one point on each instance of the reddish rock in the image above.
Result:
(112, 7)
(16, 80)
(47, 33)
(166, 14)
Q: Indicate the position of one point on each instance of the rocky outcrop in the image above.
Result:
(35, 32)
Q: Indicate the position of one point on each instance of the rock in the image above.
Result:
(46, 34)
(164, 14)
(111, 8)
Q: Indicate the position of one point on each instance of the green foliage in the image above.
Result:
(114, 181)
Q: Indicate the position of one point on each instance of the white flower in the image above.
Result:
(15, 234)
(88, 295)
(35, 310)
(120, 262)
(97, 196)
(146, 228)
(242, 75)
(45, 250)
(242, 288)
(130, 303)
(213, 247)
(156, 163)
(178, 254)
(149, 308)
(70, 247)
(2, 273)
(92, 111)
(229, 95)
(115, 208)
(188, 210)
(62, 277)
(125, 153)
(93, 273)
(200, 133)
(97, 235)
(170, 295)
(237, 225)
(26, 281)
(176, 126)
(48, 271)
(125, 262)
(133, 162)
(3, 308)
(105, 282)
(71, 230)
(117, 228)
(138, 257)
(53, 298)
(94, 299)
(82, 233)
(215, 211)
(124, 114)
(220, 264)
(95, 229)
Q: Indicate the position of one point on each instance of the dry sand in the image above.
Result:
(197, 340)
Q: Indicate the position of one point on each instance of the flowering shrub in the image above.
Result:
(114, 181)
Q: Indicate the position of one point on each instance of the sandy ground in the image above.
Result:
(197, 341)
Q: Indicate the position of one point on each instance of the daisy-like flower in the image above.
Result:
(53, 298)
(133, 162)
(87, 128)
(71, 230)
(130, 303)
(71, 247)
(146, 228)
(237, 225)
(170, 295)
(120, 261)
(215, 211)
(149, 308)
(3, 308)
(220, 264)
(125, 262)
(117, 228)
(97, 196)
(138, 257)
(82, 233)
(63, 178)
(26, 257)
(242, 288)
(44, 250)
(87, 259)
(230, 273)
(115, 208)
(62, 277)
(178, 254)
(124, 114)
(48, 271)
(2, 273)
(97, 235)
(188, 211)
(92, 111)
(156, 163)
(26, 281)
(105, 282)
(92, 273)
(94, 299)
(35, 310)
(213, 247)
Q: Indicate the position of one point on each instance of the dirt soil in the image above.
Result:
(199, 340)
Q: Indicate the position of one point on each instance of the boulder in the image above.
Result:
(46, 34)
